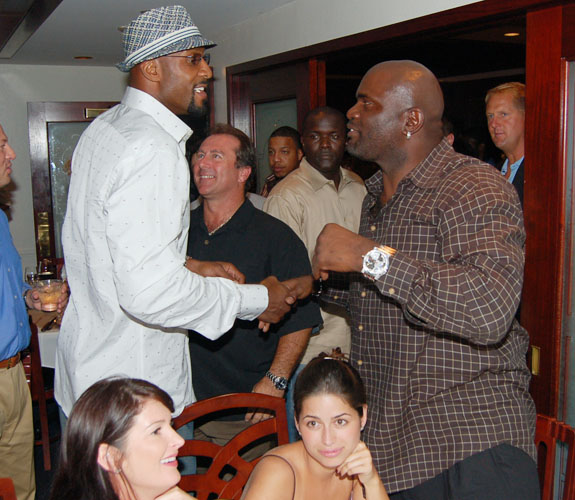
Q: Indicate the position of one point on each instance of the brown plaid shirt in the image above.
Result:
(435, 339)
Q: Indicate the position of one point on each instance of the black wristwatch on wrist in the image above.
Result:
(280, 383)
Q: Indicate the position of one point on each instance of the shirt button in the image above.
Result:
(373, 228)
(206, 242)
(363, 294)
(359, 362)
(392, 291)
(360, 328)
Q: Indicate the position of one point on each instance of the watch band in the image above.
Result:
(280, 383)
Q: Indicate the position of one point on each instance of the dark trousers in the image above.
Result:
(499, 473)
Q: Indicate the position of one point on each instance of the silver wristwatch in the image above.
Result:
(376, 262)
(280, 383)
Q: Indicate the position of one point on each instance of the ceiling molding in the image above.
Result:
(19, 20)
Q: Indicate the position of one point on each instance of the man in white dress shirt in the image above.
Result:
(125, 231)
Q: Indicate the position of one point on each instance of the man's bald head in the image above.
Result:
(398, 113)
(415, 85)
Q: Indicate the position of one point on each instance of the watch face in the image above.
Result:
(375, 263)
(281, 384)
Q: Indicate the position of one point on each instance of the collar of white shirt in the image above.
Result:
(144, 102)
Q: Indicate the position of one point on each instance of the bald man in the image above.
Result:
(437, 270)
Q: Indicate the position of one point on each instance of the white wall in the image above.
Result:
(22, 84)
(306, 22)
(297, 24)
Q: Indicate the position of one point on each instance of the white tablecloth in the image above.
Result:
(48, 342)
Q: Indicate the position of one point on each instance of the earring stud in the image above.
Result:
(408, 135)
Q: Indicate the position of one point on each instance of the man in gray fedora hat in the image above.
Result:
(126, 227)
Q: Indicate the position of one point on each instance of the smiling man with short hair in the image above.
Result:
(229, 228)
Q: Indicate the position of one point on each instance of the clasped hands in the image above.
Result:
(281, 295)
(337, 249)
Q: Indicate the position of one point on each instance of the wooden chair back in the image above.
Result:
(7, 491)
(226, 457)
(33, 369)
(548, 433)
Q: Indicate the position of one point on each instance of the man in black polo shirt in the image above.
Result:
(226, 227)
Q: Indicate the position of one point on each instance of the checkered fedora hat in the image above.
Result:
(159, 32)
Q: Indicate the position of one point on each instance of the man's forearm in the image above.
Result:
(289, 351)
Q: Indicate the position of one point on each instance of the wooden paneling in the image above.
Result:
(568, 39)
(460, 18)
(544, 201)
(303, 80)
(317, 83)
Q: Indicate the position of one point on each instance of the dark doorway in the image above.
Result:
(468, 62)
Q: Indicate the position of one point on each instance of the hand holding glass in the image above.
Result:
(49, 292)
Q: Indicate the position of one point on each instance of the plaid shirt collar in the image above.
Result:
(427, 175)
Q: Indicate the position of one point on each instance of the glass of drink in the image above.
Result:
(46, 270)
(31, 275)
(49, 291)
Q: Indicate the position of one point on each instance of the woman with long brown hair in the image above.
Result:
(330, 461)
(119, 445)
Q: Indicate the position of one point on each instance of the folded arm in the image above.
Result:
(471, 289)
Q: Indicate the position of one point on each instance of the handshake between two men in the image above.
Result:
(282, 295)
(337, 249)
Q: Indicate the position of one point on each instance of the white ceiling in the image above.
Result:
(90, 27)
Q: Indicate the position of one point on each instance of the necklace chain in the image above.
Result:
(210, 233)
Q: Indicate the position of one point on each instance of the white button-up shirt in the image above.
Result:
(125, 239)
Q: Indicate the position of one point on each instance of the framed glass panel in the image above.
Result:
(268, 117)
(62, 140)
(54, 129)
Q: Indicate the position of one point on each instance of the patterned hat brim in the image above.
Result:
(156, 50)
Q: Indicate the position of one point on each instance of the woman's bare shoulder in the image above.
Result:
(285, 450)
(273, 475)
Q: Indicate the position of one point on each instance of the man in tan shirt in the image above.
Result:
(317, 193)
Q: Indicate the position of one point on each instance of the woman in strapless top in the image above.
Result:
(330, 461)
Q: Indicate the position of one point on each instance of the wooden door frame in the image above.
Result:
(550, 40)
(39, 115)
(245, 90)
(550, 44)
